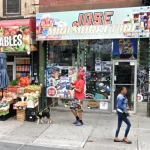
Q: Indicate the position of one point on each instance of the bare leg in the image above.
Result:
(80, 115)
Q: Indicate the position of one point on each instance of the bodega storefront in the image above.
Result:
(17, 40)
(104, 43)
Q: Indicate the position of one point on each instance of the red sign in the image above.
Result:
(51, 92)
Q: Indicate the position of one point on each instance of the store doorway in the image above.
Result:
(125, 74)
(11, 71)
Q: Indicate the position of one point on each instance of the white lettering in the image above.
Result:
(10, 44)
(15, 40)
(1, 41)
(76, 32)
(19, 38)
(6, 41)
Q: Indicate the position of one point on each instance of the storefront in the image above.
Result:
(106, 43)
(17, 41)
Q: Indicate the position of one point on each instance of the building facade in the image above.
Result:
(84, 52)
(70, 5)
(18, 8)
(17, 19)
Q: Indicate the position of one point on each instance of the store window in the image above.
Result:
(12, 7)
(98, 63)
(95, 55)
(62, 53)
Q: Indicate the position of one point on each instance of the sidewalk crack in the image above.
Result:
(84, 143)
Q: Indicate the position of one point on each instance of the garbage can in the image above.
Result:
(148, 105)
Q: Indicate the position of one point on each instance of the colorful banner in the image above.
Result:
(133, 22)
(59, 79)
(17, 35)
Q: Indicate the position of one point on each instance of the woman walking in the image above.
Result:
(122, 106)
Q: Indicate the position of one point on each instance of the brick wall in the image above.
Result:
(68, 5)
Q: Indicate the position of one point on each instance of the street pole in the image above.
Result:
(42, 61)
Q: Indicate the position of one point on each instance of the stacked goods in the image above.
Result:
(21, 115)
(32, 99)
(33, 88)
(24, 81)
(12, 89)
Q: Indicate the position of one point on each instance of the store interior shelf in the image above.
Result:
(23, 71)
(22, 64)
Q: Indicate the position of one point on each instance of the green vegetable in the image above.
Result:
(14, 82)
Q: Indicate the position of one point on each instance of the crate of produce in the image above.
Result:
(20, 91)
(20, 105)
(12, 89)
(33, 89)
(21, 115)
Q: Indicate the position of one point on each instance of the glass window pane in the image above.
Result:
(12, 6)
(124, 73)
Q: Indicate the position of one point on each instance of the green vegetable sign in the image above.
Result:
(17, 36)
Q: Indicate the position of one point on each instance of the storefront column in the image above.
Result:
(42, 61)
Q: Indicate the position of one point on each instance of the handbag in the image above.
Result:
(126, 114)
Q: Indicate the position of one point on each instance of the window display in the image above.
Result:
(98, 62)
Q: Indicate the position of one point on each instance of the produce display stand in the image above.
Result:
(21, 100)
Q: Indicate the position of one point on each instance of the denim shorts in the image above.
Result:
(76, 104)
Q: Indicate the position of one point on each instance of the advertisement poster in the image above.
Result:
(115, 23)
(59, 79)
(17, 35)
(125, 48)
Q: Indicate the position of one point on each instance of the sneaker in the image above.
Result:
(79, 124)
(76, 122)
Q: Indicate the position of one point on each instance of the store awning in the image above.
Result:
(18, 35)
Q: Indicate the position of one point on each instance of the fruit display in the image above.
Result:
(33, 88)
(24, 81)
(11, 95)
(12, 89)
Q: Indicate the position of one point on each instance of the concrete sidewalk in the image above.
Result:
(97, 133)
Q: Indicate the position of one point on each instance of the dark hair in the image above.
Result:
(122, 88)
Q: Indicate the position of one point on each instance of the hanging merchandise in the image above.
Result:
(4, 79)
(98, 64)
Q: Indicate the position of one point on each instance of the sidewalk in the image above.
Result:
(97, 133)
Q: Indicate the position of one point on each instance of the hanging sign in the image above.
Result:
(17, 35)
